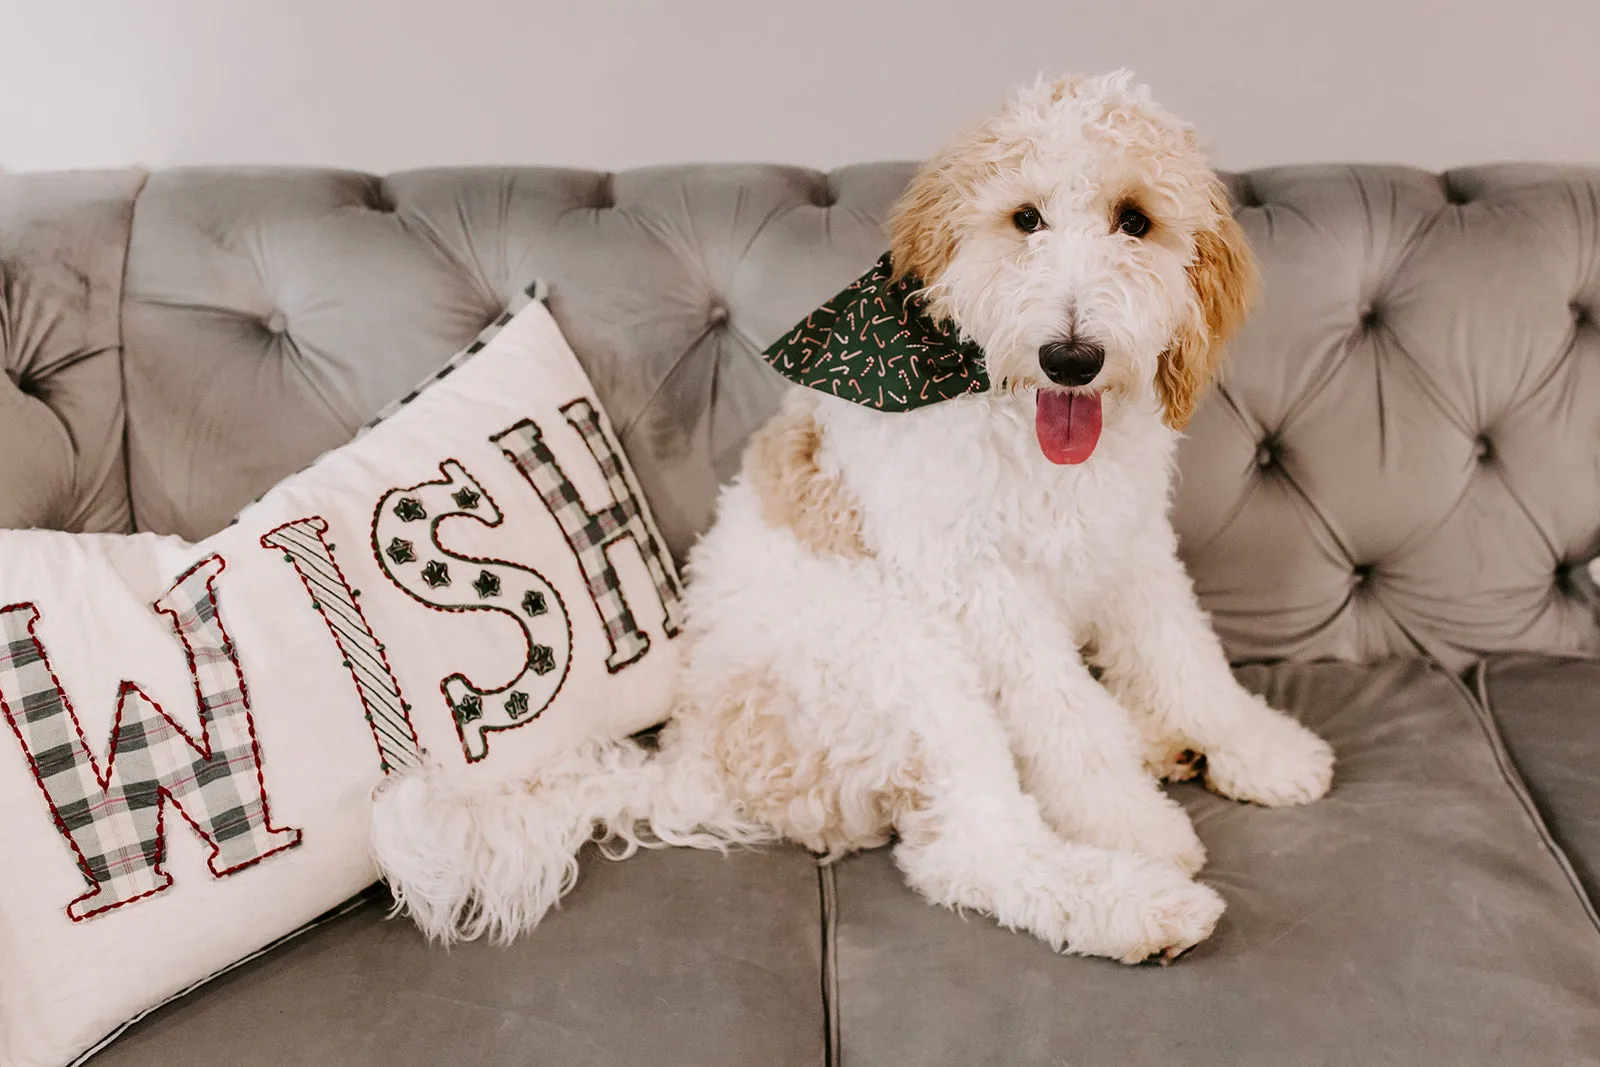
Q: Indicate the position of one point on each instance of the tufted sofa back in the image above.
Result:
(1403, 454)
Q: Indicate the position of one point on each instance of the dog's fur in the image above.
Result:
(893, 621)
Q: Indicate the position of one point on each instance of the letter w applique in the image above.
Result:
(114, 819)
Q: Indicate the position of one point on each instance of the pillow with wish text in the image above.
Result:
(193, 732)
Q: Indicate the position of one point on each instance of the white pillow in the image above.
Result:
(473, 585)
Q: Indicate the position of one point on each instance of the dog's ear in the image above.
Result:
(922, 236)
(1224, 278)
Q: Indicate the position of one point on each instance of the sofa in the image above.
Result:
(1388, 504)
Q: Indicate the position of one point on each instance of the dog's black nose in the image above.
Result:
(1072, 362)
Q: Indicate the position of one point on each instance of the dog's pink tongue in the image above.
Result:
(1068, 425)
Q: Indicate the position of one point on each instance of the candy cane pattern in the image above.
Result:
(305, 547)
(405, 539)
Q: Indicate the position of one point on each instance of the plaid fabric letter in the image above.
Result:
(592, 534)
(114, 819)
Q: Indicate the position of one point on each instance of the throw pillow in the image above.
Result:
(194, 732)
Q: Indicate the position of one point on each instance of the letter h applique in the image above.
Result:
(592, 534)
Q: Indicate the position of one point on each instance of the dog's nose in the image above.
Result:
(1072, 362)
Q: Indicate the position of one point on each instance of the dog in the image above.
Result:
(965, 628)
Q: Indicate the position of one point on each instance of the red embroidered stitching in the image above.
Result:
(433, 535)
(320, 526)
(600, 569)
(163, 791)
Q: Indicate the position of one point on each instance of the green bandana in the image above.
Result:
(873, 344)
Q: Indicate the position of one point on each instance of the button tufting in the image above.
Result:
(378, 199)
(1266, 455)
(1482, 449)
(1580, 315)
(1361, 573)
(276, 322)
(823, 195)
(717, 315)
(1371, 318)
(1568, 578)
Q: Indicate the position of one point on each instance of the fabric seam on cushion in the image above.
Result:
(1484, 712)
(122, 349)
(829, 896)
(436, 241)
(360, 900)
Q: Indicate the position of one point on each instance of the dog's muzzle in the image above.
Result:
(1074, 362)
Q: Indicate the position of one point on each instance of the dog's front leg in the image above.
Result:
(1077, 749)
(972, 839)
(1162, 659)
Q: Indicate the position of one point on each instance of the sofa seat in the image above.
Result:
(1414, 916)
(1547, 709)
(1386, 468)
(671, 958)
(1417, 915)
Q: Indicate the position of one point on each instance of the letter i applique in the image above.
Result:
(305, 547)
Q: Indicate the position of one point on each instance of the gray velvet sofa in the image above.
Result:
(1387, 505)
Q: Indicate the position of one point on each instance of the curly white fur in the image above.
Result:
(918, 669)
(467, 859)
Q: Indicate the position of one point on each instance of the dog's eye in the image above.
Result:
(1133, 222)
(1027, 219)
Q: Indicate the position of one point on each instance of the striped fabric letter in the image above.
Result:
(306, 548)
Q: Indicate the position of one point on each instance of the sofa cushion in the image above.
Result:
(667, 958)
(1414, 915)
(271, 311)
(1547, 710)
(1372, 475)
(1375, 471)
(377, 612)
(63, 242)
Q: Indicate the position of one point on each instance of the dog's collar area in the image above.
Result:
(874, 344)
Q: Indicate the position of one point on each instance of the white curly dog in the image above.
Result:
(962, 628)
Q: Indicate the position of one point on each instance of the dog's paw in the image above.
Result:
(1149, 910)
(1169, 758)
(1273, 761)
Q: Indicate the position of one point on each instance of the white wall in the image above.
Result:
(389, 84)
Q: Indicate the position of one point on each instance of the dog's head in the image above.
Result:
(1081, 238)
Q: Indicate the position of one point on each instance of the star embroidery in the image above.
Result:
(410, 509)
(465, 498)
(487, 584)
(400, 550)
(468, 709)
(436, 574)
(517, 704)
(533, 603)
(542, 658)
